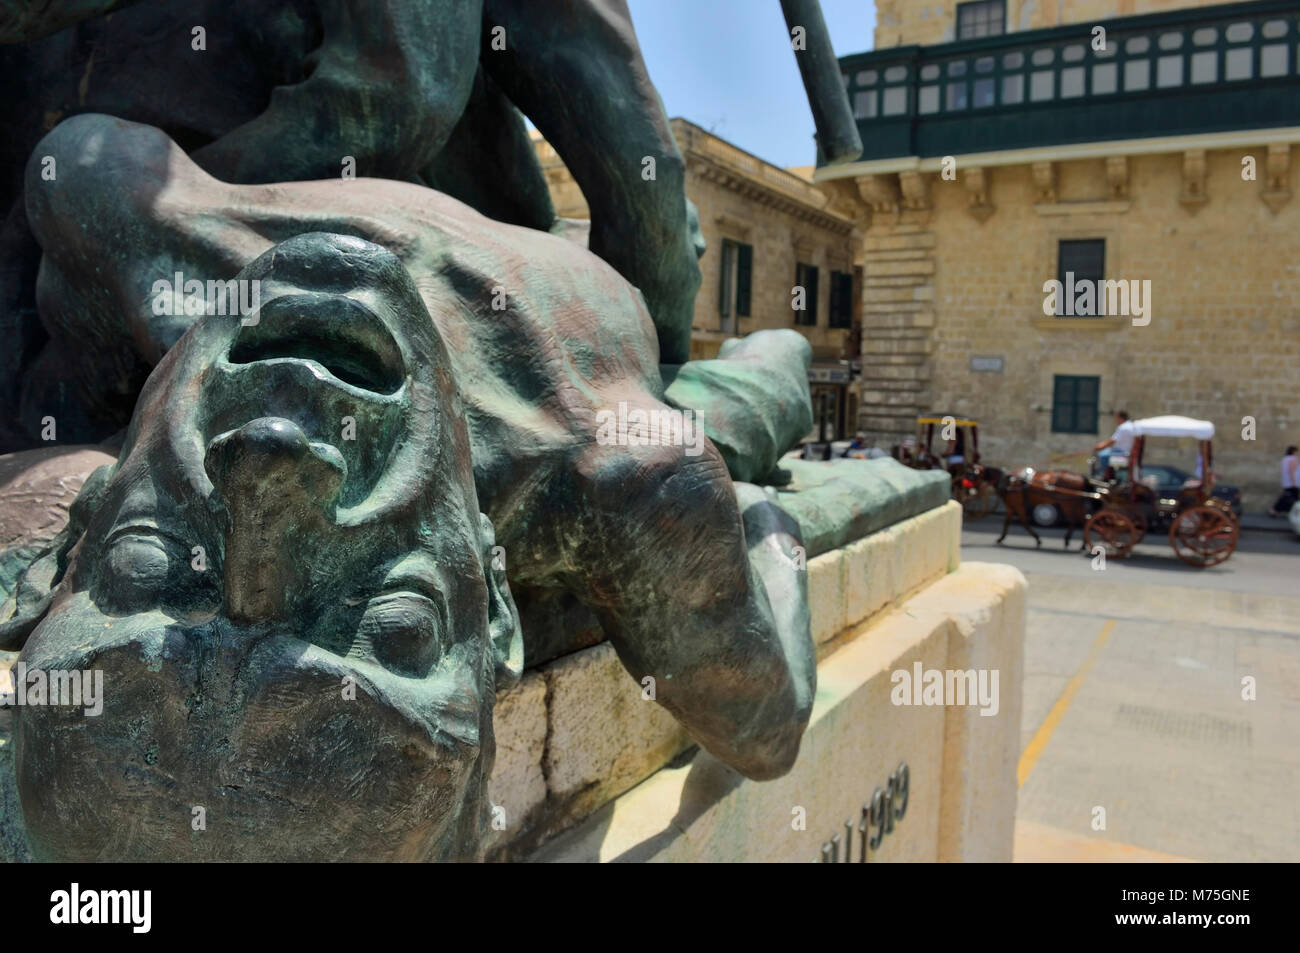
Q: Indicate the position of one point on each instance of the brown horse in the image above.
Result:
(1021, 490)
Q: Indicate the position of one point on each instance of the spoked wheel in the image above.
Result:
(1222, 507)
(1113, 531)
(1203, 536)
(1139, 523)
(976, 501)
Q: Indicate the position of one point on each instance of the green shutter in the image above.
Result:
(1074, 403)
(1063, 405)
(812, 294)
(728, 250)
(1085, 404)
(744, 276)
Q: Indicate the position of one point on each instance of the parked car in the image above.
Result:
(1167, 481)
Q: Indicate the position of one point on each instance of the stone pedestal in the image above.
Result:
(612, 778)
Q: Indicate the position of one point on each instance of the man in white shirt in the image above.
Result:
(1120, 443)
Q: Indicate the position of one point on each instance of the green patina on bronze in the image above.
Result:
(300, 577)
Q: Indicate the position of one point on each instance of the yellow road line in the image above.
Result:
(1045, 730)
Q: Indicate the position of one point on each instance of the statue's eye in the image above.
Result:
(143, 570)
(404, 633)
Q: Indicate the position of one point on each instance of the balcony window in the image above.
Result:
(1137, 75)
(1239, 63)
(1072, 82)
(1157, 76)
(1169, 71)
(1205, 67)
(981, 18)
(1105, 79)
(1240, 32)
(1272, 60)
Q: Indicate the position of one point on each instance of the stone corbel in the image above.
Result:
(916, 191)
(1193, 195)
(1044, 182)
(1117, 177)
(1277, 181)
(881, 193)
(976, 182)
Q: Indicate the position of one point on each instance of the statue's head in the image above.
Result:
(289, 588)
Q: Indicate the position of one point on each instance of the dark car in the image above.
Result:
(1171, 480)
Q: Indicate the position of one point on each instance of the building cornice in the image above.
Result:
(1248, 138)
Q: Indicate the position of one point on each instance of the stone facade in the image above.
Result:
(923, 22)
(787, 220)
(955, 264)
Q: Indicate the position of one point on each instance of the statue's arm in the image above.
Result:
(694, 580)
(575, 69)
(386, 87)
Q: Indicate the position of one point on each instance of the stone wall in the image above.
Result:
(786, 218)
(1223, 342)
(902, 22)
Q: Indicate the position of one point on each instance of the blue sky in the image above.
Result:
(727, 65)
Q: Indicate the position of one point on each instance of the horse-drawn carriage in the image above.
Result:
(974, 485)
(1118, 508)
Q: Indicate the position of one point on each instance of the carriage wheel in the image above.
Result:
(1218, 504)
(1113, 531)
(1139, 523)
(976, 501)
(1203, 536)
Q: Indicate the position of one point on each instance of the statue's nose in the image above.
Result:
(276, 486)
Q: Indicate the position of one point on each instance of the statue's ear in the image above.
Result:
(36, 571)
(504, 631)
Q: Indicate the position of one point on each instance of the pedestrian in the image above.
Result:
(1290, 484)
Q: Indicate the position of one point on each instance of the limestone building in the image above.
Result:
(768, 231)
(1011, 143)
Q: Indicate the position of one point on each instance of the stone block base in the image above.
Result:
(961, 799)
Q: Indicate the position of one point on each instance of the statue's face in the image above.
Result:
(284, 582)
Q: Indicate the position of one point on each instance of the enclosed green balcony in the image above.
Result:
(1213, 69)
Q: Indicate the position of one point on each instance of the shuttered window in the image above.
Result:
(1074, 403)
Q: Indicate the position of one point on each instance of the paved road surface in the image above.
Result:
(1133, 701)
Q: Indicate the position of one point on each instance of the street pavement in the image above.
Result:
(1134, 682)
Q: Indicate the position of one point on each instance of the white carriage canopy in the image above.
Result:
(1172, 425)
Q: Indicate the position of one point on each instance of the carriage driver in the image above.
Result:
(1120, 444)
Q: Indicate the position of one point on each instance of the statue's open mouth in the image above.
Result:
(343, 336)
